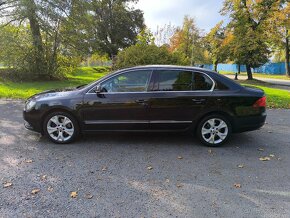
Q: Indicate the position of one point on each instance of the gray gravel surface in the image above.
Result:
(112, 170)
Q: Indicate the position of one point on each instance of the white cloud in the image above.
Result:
(160, 12)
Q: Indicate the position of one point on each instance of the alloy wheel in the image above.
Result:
(60, 128)
(214, 131)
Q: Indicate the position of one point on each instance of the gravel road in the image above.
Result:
(144, 175)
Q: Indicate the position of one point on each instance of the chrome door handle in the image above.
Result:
(141, 101)
(198, 100)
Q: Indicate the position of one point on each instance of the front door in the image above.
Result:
(121, 104)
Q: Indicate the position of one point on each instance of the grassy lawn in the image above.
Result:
(276, 98)
(256, 75)
(24, 90)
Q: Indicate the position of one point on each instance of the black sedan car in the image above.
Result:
(149, 98)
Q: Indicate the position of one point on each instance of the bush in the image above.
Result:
(143, 54)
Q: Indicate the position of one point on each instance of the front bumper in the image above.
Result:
(32, 121)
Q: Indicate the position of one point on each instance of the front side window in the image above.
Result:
(134, 81)
(172, 80)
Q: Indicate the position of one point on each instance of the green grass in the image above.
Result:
(24, 90)
(276, 98)
(256, 75)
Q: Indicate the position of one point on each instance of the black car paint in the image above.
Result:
(150, 111)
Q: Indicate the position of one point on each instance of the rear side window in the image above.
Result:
(172, 80)
(201, 82)
(220, 86)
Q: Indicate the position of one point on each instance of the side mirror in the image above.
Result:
(98, 89)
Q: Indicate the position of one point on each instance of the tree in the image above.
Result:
(217, 44)
(115, 25)
(248, 20)
(187, 41)
(145, 37)
(278, 31)
(163, 34)
(50, 50)
(146, 54)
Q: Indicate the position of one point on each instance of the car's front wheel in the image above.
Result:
(61, 127)
(214, 130)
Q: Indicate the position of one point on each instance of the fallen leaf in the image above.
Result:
(44, 177)
(180, 157)
(35, 191)
(261, 149)
(272, 155)
(28, 161)
(104, 169)
(237, 185)
(178, 185)
(89, 196)
(7, 184)
(149, 168)
(241, 166)
(264, 158)
(50, 189)
(73, 194)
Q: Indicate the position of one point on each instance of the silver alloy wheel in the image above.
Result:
(60, 128)
(214, 131)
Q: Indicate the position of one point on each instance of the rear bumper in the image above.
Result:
(250, 123)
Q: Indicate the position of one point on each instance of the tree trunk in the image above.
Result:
(37, 39)
(239, 71)
(249, 72)
(215, 66)
(287, 55)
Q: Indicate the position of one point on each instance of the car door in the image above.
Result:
(179, 96)
(121, 103)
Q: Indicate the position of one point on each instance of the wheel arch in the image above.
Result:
(214, 112)
(58, 109)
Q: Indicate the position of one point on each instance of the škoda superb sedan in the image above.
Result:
(149, 98)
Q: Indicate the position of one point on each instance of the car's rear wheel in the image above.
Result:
(61, 127)
(214, 130)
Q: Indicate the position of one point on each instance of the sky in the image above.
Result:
(160, 12)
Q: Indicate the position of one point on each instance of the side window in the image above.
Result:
(172, 80)
(201, 82)
(134, 81)
(220, 86)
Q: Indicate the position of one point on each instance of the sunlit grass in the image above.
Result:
(276, 98)
(257, 75)
(24, 90)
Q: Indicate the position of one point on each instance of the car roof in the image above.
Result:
(216, 76)
(169, 67)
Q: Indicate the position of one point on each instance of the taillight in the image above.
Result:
(262, 102)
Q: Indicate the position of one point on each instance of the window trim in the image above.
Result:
(90, 92)
(118, 74)
(185, 70)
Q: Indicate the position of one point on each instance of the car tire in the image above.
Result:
(214, 130)
(61, 127)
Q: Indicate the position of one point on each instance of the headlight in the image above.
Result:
(30, 105)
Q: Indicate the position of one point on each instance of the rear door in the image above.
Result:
(179, 96)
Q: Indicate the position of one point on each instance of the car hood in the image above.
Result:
(54, 93)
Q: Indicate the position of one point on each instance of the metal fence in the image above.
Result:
(269, 68)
